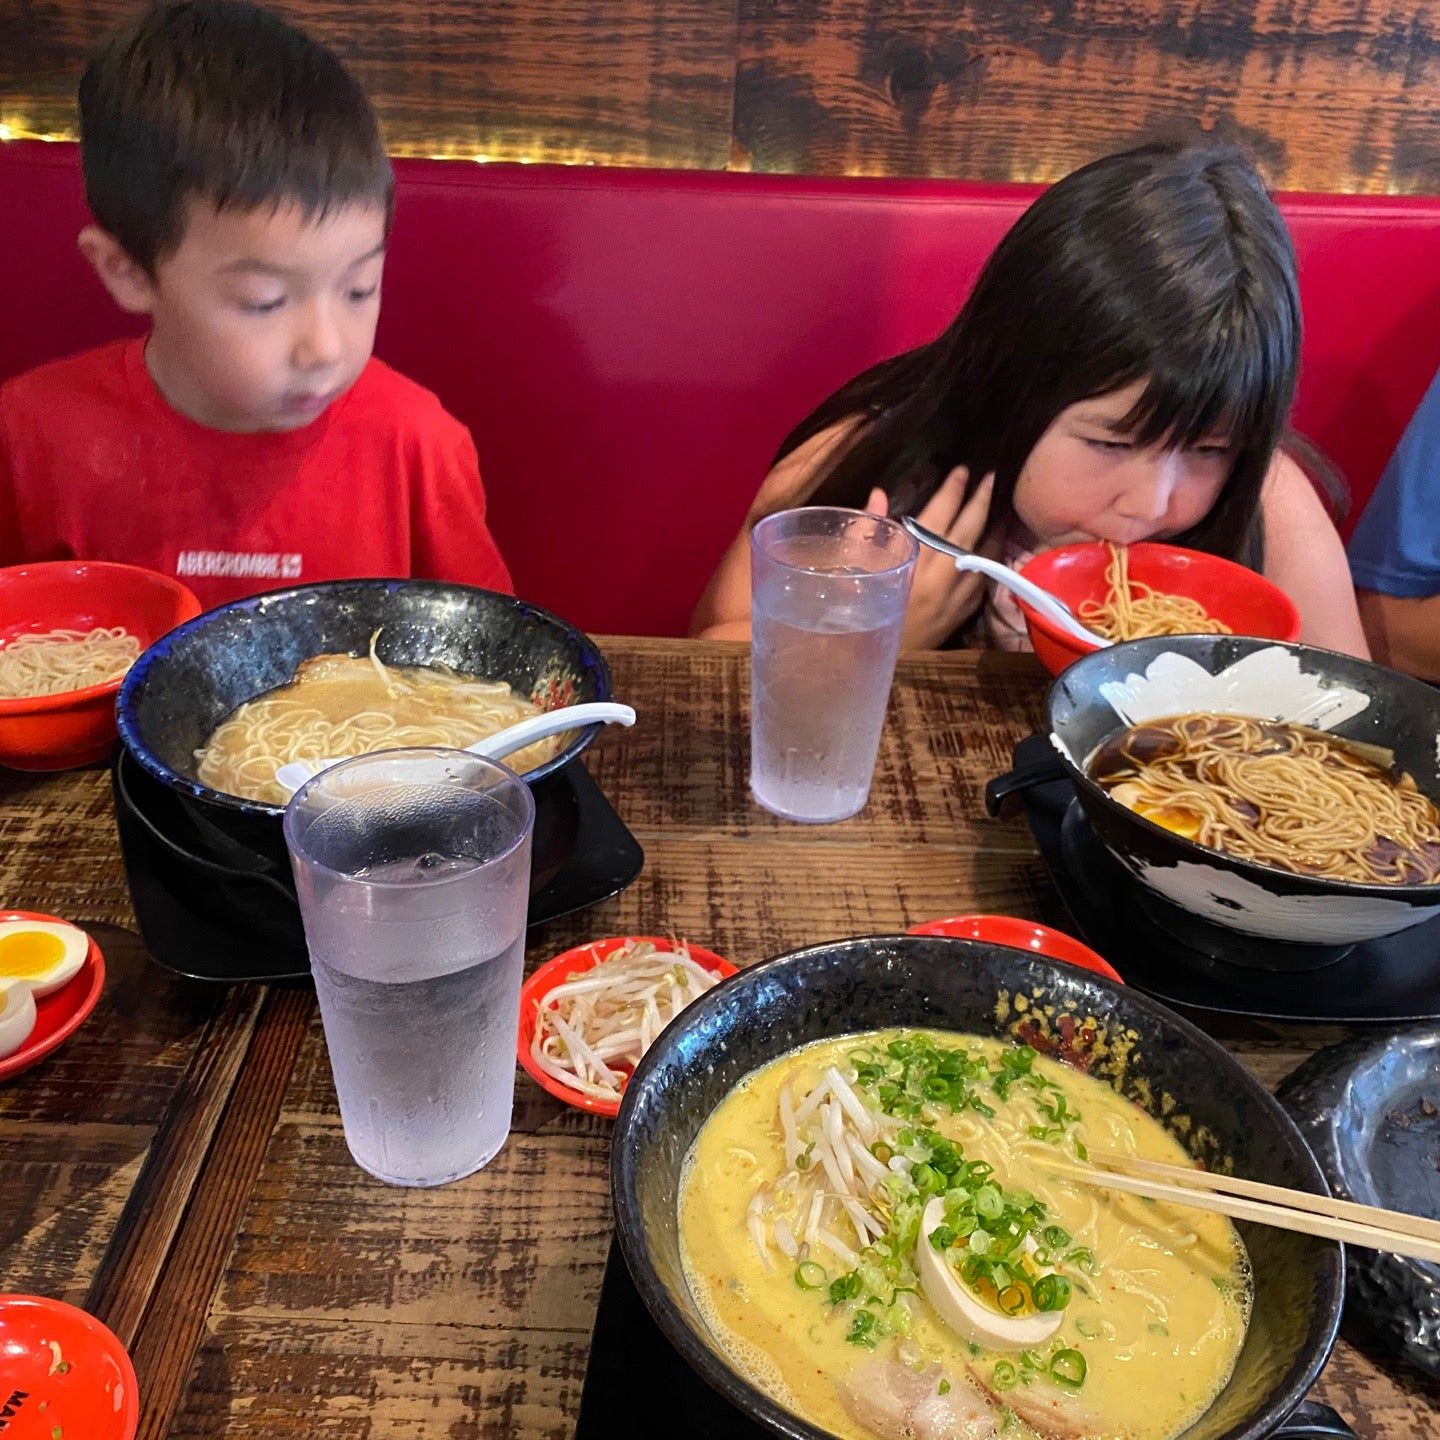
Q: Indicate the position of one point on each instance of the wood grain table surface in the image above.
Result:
(179, 1168)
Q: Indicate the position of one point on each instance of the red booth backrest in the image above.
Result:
(629, 347)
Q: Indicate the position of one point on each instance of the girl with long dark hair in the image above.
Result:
(1123, 371)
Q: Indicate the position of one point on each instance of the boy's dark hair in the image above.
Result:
(223, 101)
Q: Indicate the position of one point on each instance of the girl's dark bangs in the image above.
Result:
(1228, 389)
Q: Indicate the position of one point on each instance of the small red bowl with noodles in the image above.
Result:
(1170, 592)
(74, 603)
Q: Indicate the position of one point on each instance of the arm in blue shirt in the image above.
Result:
(1395, 549)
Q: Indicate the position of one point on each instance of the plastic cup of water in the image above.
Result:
(413, 872)
(828, 591)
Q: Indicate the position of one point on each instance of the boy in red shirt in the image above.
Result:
(242, 200)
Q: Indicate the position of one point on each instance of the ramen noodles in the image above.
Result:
(56, 661)
(880, 1234)
(338, 706)
(1132, 610)
(1280, 794)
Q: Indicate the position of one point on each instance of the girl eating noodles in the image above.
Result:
(1122, 371)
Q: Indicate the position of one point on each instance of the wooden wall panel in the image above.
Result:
(1329, 94)
(629, 82)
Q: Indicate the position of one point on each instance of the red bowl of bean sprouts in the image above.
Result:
(588, 1015)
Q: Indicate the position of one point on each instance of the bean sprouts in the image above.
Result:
(833, 1191)
(591, 1031)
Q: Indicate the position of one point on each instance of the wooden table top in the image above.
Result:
(179, 1169)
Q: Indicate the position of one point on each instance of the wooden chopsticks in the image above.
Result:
(1389, 1230)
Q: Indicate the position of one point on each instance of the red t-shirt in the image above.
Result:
(96, 465)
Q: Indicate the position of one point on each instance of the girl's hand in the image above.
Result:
(942, 598)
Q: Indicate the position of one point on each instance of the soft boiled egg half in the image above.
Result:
(17, 1015)
(41, 954)
(964, 1312)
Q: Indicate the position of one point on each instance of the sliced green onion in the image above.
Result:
(973, 1270)
(1055, 1237)
(1069, 1368)
(1004, 1375)
(943, 1388)
(862, 1329)
(1011, 1300)
(989, 1203)
(847, 1287)
(810, 1275)
(1052, 1292)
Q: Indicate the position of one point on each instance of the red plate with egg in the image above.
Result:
(64, 1375)
(60, 970)
(573, 964)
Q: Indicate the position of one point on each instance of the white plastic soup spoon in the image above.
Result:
(497, 746)
(1051, 606)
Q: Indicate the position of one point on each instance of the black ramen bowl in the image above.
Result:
(1400, 715)
(184, 685)
(1211, 1104)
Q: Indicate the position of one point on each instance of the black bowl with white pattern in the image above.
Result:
(1402, 716)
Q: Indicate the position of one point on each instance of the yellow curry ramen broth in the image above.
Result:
(1158, 1294)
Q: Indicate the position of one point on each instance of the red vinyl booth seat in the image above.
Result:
(629, 347)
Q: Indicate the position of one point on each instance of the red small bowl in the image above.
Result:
(1021, 935)
(57, 1016)
(58, 732)
(1248, 603)
(89, 1393)
(576, 962)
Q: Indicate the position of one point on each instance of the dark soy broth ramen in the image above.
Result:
(1279, 794)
